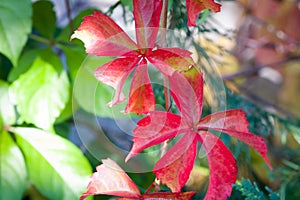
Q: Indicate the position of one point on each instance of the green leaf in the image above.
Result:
(55, 166)
(13, 171)
(7, 109)
(91, 94)
(74, 57)
(249, 190)
(44, 19)
(295, 132)
(15, 25)
(41, 94)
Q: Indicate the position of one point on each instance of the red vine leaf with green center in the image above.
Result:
(174, 168)
(194, 7)
(110, 179)
(103, 37)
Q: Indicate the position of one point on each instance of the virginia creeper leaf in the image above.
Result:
(7, 110)
(41, 103)
(110, 179)
(194, 7)
(56, 167)
(234, 123)
(174, 168)
(168, 60)
(223, 170)
(15, 25)
(189, 100)
(44, 19)
(147, 18)
(13, 171)
(114, 73)
(154, 129)
(103, 37)
(141, 96)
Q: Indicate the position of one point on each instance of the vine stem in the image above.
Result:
(163, 43)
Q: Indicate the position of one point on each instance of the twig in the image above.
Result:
(252, 70)
(69, 14)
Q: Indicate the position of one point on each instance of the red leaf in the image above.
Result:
(155, 128)
(187, 92)
(169, 196)
(103, 37)
(230, 119)
(141, 97)
(147, 18)
(223, 171)
(235, 124)
(110, 179)
(167, 60)
(174, 168)
(114, 73)
(194, 7)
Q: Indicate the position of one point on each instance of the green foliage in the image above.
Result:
(252, 192)
(12, 169)
(15, 25)
(55, 166)
(44, 18)
(7, 110)
(42, 102)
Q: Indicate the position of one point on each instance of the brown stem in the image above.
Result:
(69, 16)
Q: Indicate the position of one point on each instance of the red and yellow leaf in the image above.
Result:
(169, 60)
(174, 168)
(194, 7)
(110, 179)
(114, 73)
(223, 170)
(155, 128)
(147, 18)
(103, 37)
(141, 96)
(187, 92)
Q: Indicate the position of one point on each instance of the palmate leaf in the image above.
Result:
(174, 168)
(15, 25)
(55, 166)
(110, 179)
(41, 94)
(13, 171)
(103, 37)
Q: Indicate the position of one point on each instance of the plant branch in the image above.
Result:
(69, 14)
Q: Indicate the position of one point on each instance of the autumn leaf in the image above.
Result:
(174, 168)
(110, 179)
(194, 7)
(103, 37)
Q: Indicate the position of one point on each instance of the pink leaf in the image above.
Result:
(110, 179)
(114, 73)
(141, 97)
(235, 124)
(194, 7)
(155, 128)
(103, 37)
(223, 170)
(187, 91)
(174, 168)
(147, 17)
(169, 60)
